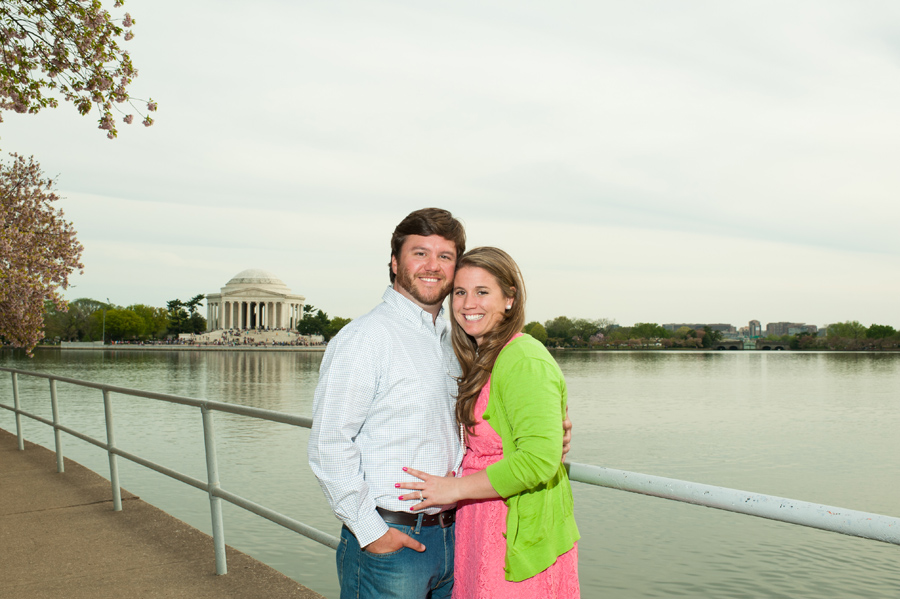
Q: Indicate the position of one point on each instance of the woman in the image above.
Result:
(515, 528)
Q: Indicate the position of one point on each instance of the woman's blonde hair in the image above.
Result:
(477, 362)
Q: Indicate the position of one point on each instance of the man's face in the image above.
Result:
(424, 269)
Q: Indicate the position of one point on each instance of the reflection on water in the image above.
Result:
(812, 426)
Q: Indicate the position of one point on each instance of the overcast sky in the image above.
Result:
(692, 161)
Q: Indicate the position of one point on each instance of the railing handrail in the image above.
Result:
(792, 511)
(834, 519)
(211, 485)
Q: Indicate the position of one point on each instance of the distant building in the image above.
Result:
(782, 328)
(755, 329)
(252, 299)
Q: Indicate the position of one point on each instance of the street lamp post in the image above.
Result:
(104, 322)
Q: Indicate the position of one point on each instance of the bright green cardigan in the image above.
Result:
(526, 407)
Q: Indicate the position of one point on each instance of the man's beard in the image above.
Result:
(428, 298)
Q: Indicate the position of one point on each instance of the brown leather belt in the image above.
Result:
(444, 519)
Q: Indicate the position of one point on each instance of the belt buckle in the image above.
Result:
(445, 518)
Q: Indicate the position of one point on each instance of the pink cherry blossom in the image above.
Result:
(69, 50)
(38, 251)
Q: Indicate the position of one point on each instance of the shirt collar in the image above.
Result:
(412, 312)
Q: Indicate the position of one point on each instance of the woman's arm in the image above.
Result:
(532, 393)
(446, 490)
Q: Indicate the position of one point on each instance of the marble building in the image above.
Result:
(254, 298)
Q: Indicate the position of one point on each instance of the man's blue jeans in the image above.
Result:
(403, 574)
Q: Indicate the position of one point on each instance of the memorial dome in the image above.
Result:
(255, 276)
(254, 298)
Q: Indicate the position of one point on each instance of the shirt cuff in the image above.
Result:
(368, 529)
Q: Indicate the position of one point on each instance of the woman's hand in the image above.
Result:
(446, 490)
(433, 490)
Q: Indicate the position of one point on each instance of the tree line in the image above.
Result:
(848, 335)
(92, 320)
(563, 331)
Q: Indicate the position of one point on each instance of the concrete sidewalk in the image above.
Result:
(59, 537)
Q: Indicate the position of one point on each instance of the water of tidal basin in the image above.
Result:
(820, 427)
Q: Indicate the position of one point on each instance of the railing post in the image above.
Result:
(60, 463)
(212, 481)
(110, 446)
(15, 382)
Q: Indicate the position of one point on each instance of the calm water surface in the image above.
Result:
(820, 427)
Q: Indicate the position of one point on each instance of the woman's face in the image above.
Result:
(478, 303)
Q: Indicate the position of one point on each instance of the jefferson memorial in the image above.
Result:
(254, 298)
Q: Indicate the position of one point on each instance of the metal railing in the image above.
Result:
(835, 519)
(781, 509)
(211, 485)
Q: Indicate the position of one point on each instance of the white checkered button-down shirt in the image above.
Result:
(385, 400)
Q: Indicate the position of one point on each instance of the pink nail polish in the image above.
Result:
(400, 498)
(410, 509)
(404, 468)
(396, 485)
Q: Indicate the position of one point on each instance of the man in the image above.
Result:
(385, 401)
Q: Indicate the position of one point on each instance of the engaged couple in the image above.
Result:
(439, 444)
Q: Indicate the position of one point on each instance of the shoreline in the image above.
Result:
(125, 347)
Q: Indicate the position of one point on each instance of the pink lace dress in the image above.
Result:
(480, 545)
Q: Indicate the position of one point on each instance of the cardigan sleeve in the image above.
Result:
(529, 392)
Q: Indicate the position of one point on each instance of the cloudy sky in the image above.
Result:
(644, 161)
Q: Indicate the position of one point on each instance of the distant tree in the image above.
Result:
(88, 318)
(122, 323)
(539, 332)
(178, 317)
(649, 330)
(192, 304)
(67, 48)
(710, 336)
(583, 329)
(313, 324)
(605, 324)
(196, 324)
(560, 328)
(156, 320)
(527, 328)
(880, 331)
(334, 326)
(684, 333)
(804, 340)
(850, 329)
(38, 249)
(620, 334)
